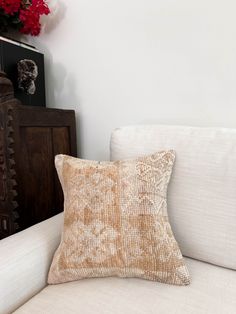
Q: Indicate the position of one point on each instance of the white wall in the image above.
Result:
(140, 61)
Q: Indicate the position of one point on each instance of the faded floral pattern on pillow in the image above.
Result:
(116, 222)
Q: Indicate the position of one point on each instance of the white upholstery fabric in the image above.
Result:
(202, 192)
(25, 259)
(212, 292)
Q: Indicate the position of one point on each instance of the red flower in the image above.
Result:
(40, 6)
(10, 6)
(26, 14)
(30, 21)
(30, 17)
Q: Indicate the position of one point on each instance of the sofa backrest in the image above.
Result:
(202, 191)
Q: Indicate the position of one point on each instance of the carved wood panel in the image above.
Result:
(8, 192)
(29, 139)
(2, 167)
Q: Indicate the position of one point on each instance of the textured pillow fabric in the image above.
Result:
(115, 221)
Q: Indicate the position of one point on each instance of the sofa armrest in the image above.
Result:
(25, 259)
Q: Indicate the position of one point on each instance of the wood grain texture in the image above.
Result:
(30, 137)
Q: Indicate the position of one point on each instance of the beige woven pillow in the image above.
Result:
(116, 221)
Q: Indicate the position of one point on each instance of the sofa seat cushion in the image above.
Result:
(212, 291)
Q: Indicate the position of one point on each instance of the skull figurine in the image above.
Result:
(27, 74)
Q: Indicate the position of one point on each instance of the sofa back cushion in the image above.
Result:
(202, 193)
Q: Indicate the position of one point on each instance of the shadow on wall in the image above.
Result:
(55, 73)
(61, 88)
(60, 85)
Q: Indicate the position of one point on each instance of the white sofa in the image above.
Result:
(202, 210)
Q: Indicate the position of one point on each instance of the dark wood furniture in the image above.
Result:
(30, 137)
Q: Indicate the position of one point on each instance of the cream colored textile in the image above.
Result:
(25, 259)
(212, 291)
(116, 221)
(202, 192)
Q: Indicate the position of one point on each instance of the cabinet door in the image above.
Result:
(35, 175)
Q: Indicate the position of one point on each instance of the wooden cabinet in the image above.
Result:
(30, 137)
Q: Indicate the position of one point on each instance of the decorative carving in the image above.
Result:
(2, 167)
(7, 90)
(8, 203)
(12, 193)
(3, 176)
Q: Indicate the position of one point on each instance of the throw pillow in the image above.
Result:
(116, 222)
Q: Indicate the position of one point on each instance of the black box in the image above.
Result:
(10, 53)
